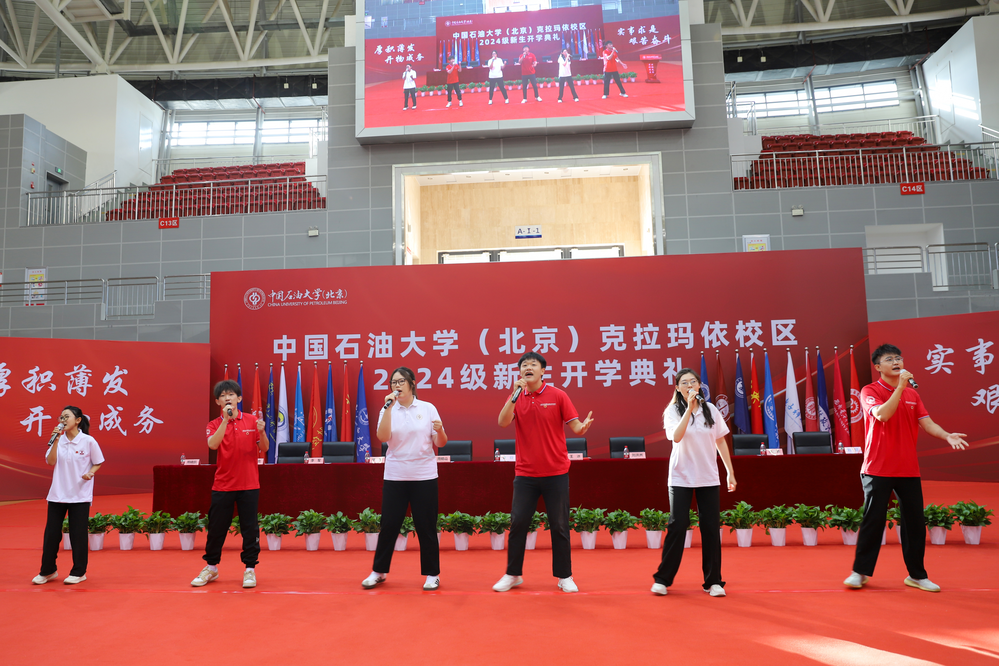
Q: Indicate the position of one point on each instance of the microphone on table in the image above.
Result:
(55, 435)
(392, 398)
(912, 383)
(516, 394)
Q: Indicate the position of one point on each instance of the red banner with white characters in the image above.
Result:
(145, 401)
(614, 331)
(952, 359)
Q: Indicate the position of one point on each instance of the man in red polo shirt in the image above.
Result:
(453, 70)
(612, 68)
(542, 469)
(527, 62)
(237, 436)
(893, 414)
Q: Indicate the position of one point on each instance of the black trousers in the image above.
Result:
(608, 76)
(406, 94)
(526, 491)
(457, 90)
(912, 527)
(497, 83)
(220, 518)
(397, 496)
(533, 80)
(79, 513)
(562, 81)
(708, 509)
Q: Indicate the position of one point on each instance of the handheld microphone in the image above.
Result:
(516, 394)
(392, 399)
(913, 383)
(55, 435)
(228, 411)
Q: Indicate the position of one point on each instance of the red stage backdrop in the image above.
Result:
(951, 358)
(614, 331)
(145, 401)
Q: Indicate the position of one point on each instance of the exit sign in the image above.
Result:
(528, 232)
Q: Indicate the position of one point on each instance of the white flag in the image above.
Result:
(283, 433)
(792, 412)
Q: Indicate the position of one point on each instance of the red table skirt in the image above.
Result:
(478, 487)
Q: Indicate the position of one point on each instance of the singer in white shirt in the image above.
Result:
(412, 429)
(76, 457)
(565, 75)
(495, 67)
(408, 87)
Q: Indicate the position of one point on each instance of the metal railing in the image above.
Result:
(989, 134)
(960, 265)
(888, 260)
(184, 287)
(207, 199)
(129, 297)
(866, 166)
(927, 127)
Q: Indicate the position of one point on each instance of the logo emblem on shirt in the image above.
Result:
(871, 400)
(419, 416)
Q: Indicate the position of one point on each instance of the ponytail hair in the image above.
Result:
(84, 424)
(680, 401)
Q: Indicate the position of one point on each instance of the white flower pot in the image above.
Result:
(898, 534)
(370, 540)
(96, 541)
(273, 541)
(125, 541)
(688, 538)
(156, 541)
(653, 539)
(938, 536)
(744, 537)
(66, 544)
(532, 540)
(620, 540)
(778, 536)
(849, 537)
(460, 541)
(810, 536)
(589, 540)
(721, 534)
(312, 541)
(400, 542)
(186, 540)
(884, 536)
(339, 540)
(972, 534)
(496, 541)
(439, 535)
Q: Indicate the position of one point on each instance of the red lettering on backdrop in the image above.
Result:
(913, 188)
(614, 331)
(145, 401)
(952, 360)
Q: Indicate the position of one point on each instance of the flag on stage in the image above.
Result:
(841, 408)
(255, 406)
(705, 389)
(769, 405)
(316, 415)
(722, 402)
(811, 419)
(283, 431)
(741, 416)
(271, 418)
(346, 429)
(329, 431)
(362, 433)
(856, 412)
(792, 412)
(755, 413)
(239, 382)
(821, 404)
(298, 432)
(225, 372)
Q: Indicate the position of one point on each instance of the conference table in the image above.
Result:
(479, 487)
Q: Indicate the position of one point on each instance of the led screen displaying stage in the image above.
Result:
(556, 68)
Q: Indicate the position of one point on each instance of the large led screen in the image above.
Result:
(428, 70)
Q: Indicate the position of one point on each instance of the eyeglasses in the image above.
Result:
(689, 382)
(398, 382)
(890, 359)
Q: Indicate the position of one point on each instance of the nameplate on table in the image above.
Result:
(191, 461)
(852, 449)
(443, 458)
(314, 461)
(636, 455)
(509, 457)
(260, 461)
(576, 456)
(378, 459)
(773, 452)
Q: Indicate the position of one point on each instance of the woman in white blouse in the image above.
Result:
(412, 429)
(565, 75)
(76, 457)
(698, 431)
(495, 67)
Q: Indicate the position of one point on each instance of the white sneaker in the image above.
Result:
(73, 580)
(716, 591)
(372, 580)
(460, 103)
(538, 99)
(506, 582)
(924, 584)
(523, 101)
(405, 108)
(560, 101)
(575, 99)
(249, 579)
(206, 576)
(623, 95)
(856, 580)
(448, 105)
(567, 585)
(41, 580)
(507, 101)
(433, 582)
(604, 97)
(660, 589)
(490, 102)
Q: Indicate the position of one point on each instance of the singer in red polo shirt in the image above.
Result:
(612, 68)
(453, 70)
(893, 414)
(527, 62)
(238, 437)
(540, 412)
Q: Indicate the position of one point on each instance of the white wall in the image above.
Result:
(957, 75)
(987, 47)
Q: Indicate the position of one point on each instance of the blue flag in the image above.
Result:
(271, 418)
(298, 433)
(769, 406)
(741, 416)
(821, 402)
(329, 428)
(239, 380)
(362, 433)
(705, 389)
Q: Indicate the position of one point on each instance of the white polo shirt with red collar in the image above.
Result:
(890, 446)
(539, 419)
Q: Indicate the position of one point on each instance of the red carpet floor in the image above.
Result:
(784, 604)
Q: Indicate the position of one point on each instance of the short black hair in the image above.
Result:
(884, 350)
(533, 356)
(608, 43)
(227, 385)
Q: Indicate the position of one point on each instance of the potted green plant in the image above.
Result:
(234, 527)
(422, 90)
(972, 517)
(156, 526)
(127, 524)
(461, 525)
(695, 521)
(369, 524)
(741, 518)
(274, 526)
(847, 520)
(405, 530)
(776, 519)
(587, 522)
(538, 521)
(97, 526)
(655, 522)
(632, 76)
(495, 524)
(811, 519)
(188, 524)
(892, 519)
(618, 523)
(310, 524)
(66, 544)
(339, 525)
(939, 519)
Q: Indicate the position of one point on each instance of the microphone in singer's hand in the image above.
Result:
(392, 398)
(228, 411)
(912, 383)
(55, 435)
(516, 394)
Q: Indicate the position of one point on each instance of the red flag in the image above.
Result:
(256, 405)
(811, 416)
(721, 397)
(755, 410)
(225, 375)
(856, 412)
(346, 425)
(841, 417)
(316, 421)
